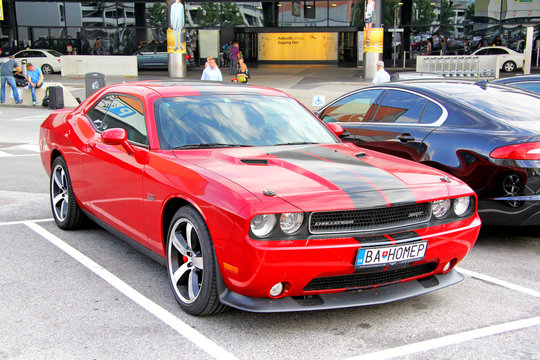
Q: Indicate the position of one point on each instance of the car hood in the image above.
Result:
(344, 175)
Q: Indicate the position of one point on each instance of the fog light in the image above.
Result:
(276, 290)
(447, 266)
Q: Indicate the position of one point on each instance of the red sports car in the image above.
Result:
(251, 201)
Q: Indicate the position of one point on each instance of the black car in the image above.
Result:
(527, 82)
(487, 135)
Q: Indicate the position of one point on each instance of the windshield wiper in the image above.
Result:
(208, 145)
(296, 143)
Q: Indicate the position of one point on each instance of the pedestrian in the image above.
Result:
(225, 50)
(35, 80)
(368, 18)
(429, 46)
(466, 47)
(242, 75)
(497, 41)
(381, 76)
(212, 72)
(6, 75)
(233, 53)
(98, 47)
(444, 43)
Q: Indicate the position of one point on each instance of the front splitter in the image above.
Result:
(380, 295)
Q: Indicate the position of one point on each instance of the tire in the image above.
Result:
(66, 212)
(46, 69)
(191, 266)
(509, 66)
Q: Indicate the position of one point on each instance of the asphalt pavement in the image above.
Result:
(88, 295)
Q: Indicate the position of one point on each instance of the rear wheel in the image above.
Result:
(46, 69)
(191, 264)
(509, 66)
(67, 213)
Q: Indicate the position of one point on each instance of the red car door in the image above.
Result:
(113, 173)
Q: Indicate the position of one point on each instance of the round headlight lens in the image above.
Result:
(262, 225)
(461, 205)
(291, 222)
(440, 208)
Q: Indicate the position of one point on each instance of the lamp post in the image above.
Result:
(397, 7)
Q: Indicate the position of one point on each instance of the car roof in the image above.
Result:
(517, 78)
(169, 88)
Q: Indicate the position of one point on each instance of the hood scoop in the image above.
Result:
(255, 161)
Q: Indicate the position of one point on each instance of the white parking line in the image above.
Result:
(178, 325)
(449, 340)
(498, 282)
(25, 221)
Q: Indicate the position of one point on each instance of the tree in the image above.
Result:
(447, 17)
(469, 20)
(423, 12)
(211, 15)
(157, 16)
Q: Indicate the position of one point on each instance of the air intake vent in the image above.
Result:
(255, 161)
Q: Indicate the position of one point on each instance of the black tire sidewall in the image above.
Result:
(72, 203)
(207, 296)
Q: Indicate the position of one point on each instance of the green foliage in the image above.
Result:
(447, 16)
(423, 12)
(157, 15)
(210, 15)
(469, 20)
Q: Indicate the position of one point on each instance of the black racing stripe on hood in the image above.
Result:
(341, 169)
(393, 188)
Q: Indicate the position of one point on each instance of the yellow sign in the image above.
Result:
(1, 11)
(171, 46)
(375, 41)
(298, 46)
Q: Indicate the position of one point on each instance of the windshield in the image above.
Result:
(236, 120)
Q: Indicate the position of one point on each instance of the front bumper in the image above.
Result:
(374, 296)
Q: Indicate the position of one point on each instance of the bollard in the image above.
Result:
(404, 58)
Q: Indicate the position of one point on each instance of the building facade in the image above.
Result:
(123, 26)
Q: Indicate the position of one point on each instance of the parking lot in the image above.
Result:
(88, 295)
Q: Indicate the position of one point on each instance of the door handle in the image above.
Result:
(90, 145)
(405, 137)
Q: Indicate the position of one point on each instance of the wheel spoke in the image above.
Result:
(59, 179)
(58, 198)
(63, 209)
(198, 262)
(189, 229)
(179, 244)
(193, 285)
(179, 273)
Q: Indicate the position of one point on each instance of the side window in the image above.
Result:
(97, 113)
(400, 107)
(127, 113)
(357, 107)
(431, 114)
(497, 51)
(482, 52)
(162, 48)
(37, 54)
(22, 54)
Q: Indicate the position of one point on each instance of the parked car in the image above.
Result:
(155, 56)
(527, 82)
(485, 134)
(48, 60)
(510, 60)
(253, 202)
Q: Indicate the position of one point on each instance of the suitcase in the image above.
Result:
(56, 97)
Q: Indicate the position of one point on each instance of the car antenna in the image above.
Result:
(482, 83)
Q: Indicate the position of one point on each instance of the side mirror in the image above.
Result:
(336, 129)
(117, 136)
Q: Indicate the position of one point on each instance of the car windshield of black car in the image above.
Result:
(236, 120)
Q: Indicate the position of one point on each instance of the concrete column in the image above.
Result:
(370, 59)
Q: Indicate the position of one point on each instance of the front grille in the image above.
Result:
(355, 281)
(369, 219)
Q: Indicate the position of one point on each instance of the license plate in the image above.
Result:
(390, 254)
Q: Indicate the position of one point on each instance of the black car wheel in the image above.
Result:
(46, 69)
(67, 213)
(190, 264)
(509, 66)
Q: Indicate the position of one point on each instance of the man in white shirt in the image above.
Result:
(381, 76)
(211, 72)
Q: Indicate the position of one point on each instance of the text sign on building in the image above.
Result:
(298, 46)
(1, 11)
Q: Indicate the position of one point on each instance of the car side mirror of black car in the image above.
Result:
(117, 136)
